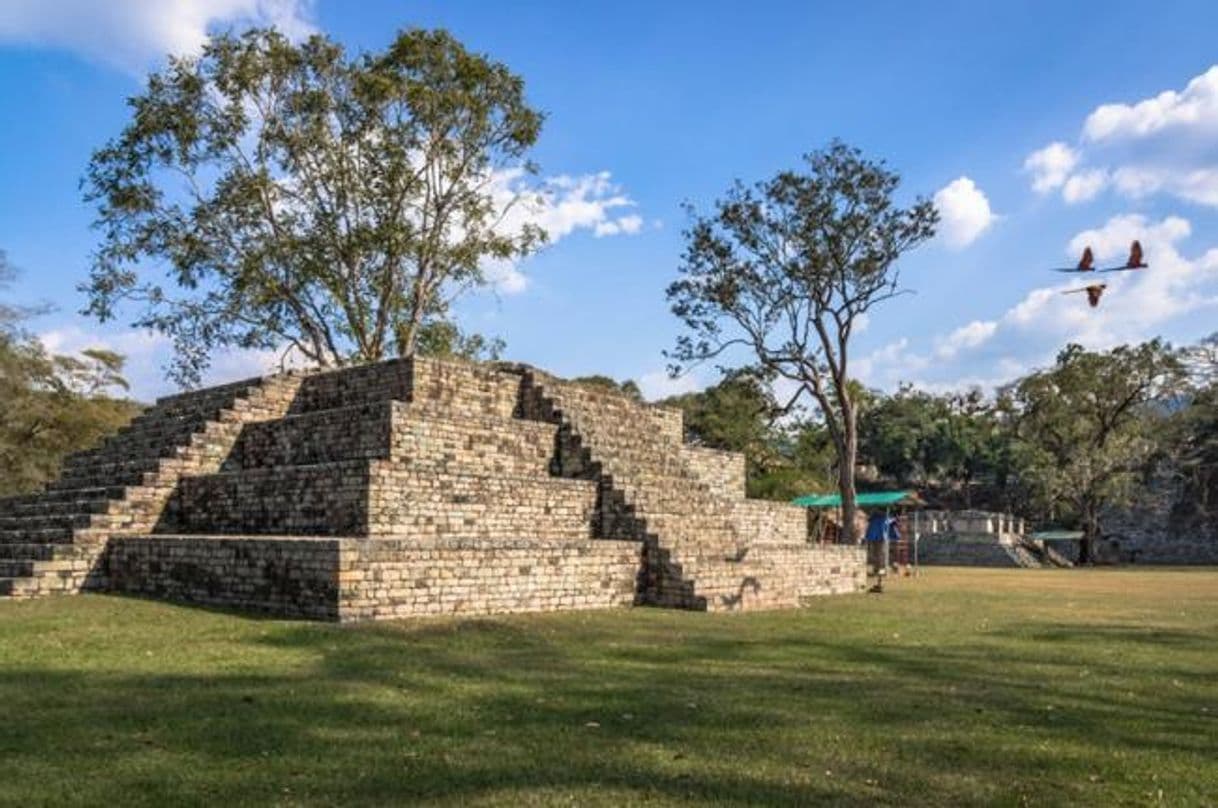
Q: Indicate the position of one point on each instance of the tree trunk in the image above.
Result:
(1091, 534)
(845, 474)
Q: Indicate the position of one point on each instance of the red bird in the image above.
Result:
(1087, 262)
(1094, 292)
(1135, 257)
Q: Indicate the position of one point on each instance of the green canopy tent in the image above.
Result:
(868, 499)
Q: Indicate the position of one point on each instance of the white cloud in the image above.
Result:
(1113, 239)
(132, 34)
(1050, 166)
(889, 364)
(965, 337)
(965, 212)
(1196, 107)
(561, 206)
(1085, 185)
(658, 385)
(506, 278)
(628, 225)
(1162, 144)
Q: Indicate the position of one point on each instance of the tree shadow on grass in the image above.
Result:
(512, 710)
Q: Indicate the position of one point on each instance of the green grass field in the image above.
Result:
(1095, 687)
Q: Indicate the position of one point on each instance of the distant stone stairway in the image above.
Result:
(988, 551)
(696, 555)
(52, 542)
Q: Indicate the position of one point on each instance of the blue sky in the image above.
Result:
(1042, 126)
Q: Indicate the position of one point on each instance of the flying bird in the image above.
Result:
(1085, 264)
(1135, 256)
(1094, 292)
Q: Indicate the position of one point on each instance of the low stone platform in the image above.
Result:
(359, 579)
(413, 487)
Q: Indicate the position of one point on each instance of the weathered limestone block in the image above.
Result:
(722, 472)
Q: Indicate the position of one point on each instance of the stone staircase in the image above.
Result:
(53, 542)
(695, 557)
(988, 551)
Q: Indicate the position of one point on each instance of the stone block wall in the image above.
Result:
(392, 380)
(828, 569)
(328, 499)
(354, 432)
(488, 444)
(373, 579)
(282, 577)
(722, 472)
(429, 504)
(465, 389)
(777, 522)
(388, 579)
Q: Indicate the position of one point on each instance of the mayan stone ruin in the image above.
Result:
(413, 487)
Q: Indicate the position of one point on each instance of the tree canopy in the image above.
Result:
(269, 194)
(784, 269)
(50, 405)
(1087, 427)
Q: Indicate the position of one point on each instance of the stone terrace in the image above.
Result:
(413, 487)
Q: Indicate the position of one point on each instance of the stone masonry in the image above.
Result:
(981, 539)
(413, 487)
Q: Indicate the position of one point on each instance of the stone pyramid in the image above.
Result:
(409, 487)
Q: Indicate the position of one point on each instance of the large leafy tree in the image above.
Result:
(785, 269)
(1191, 445)
(50, 405)
(1088, 427)
(737, 415)
(922, 438)
(269, 194)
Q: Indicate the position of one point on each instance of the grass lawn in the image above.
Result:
(1061, 687)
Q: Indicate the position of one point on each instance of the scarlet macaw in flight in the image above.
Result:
(1087, 264)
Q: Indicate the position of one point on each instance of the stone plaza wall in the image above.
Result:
(952, 550)
(814, 571)
(1156, 528)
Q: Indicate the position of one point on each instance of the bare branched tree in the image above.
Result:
(785, 269)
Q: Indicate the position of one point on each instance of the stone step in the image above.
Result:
(16, 588)
(36, 536)
(41, 522)
(43, 551)
(60, 508)
(26, 568)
